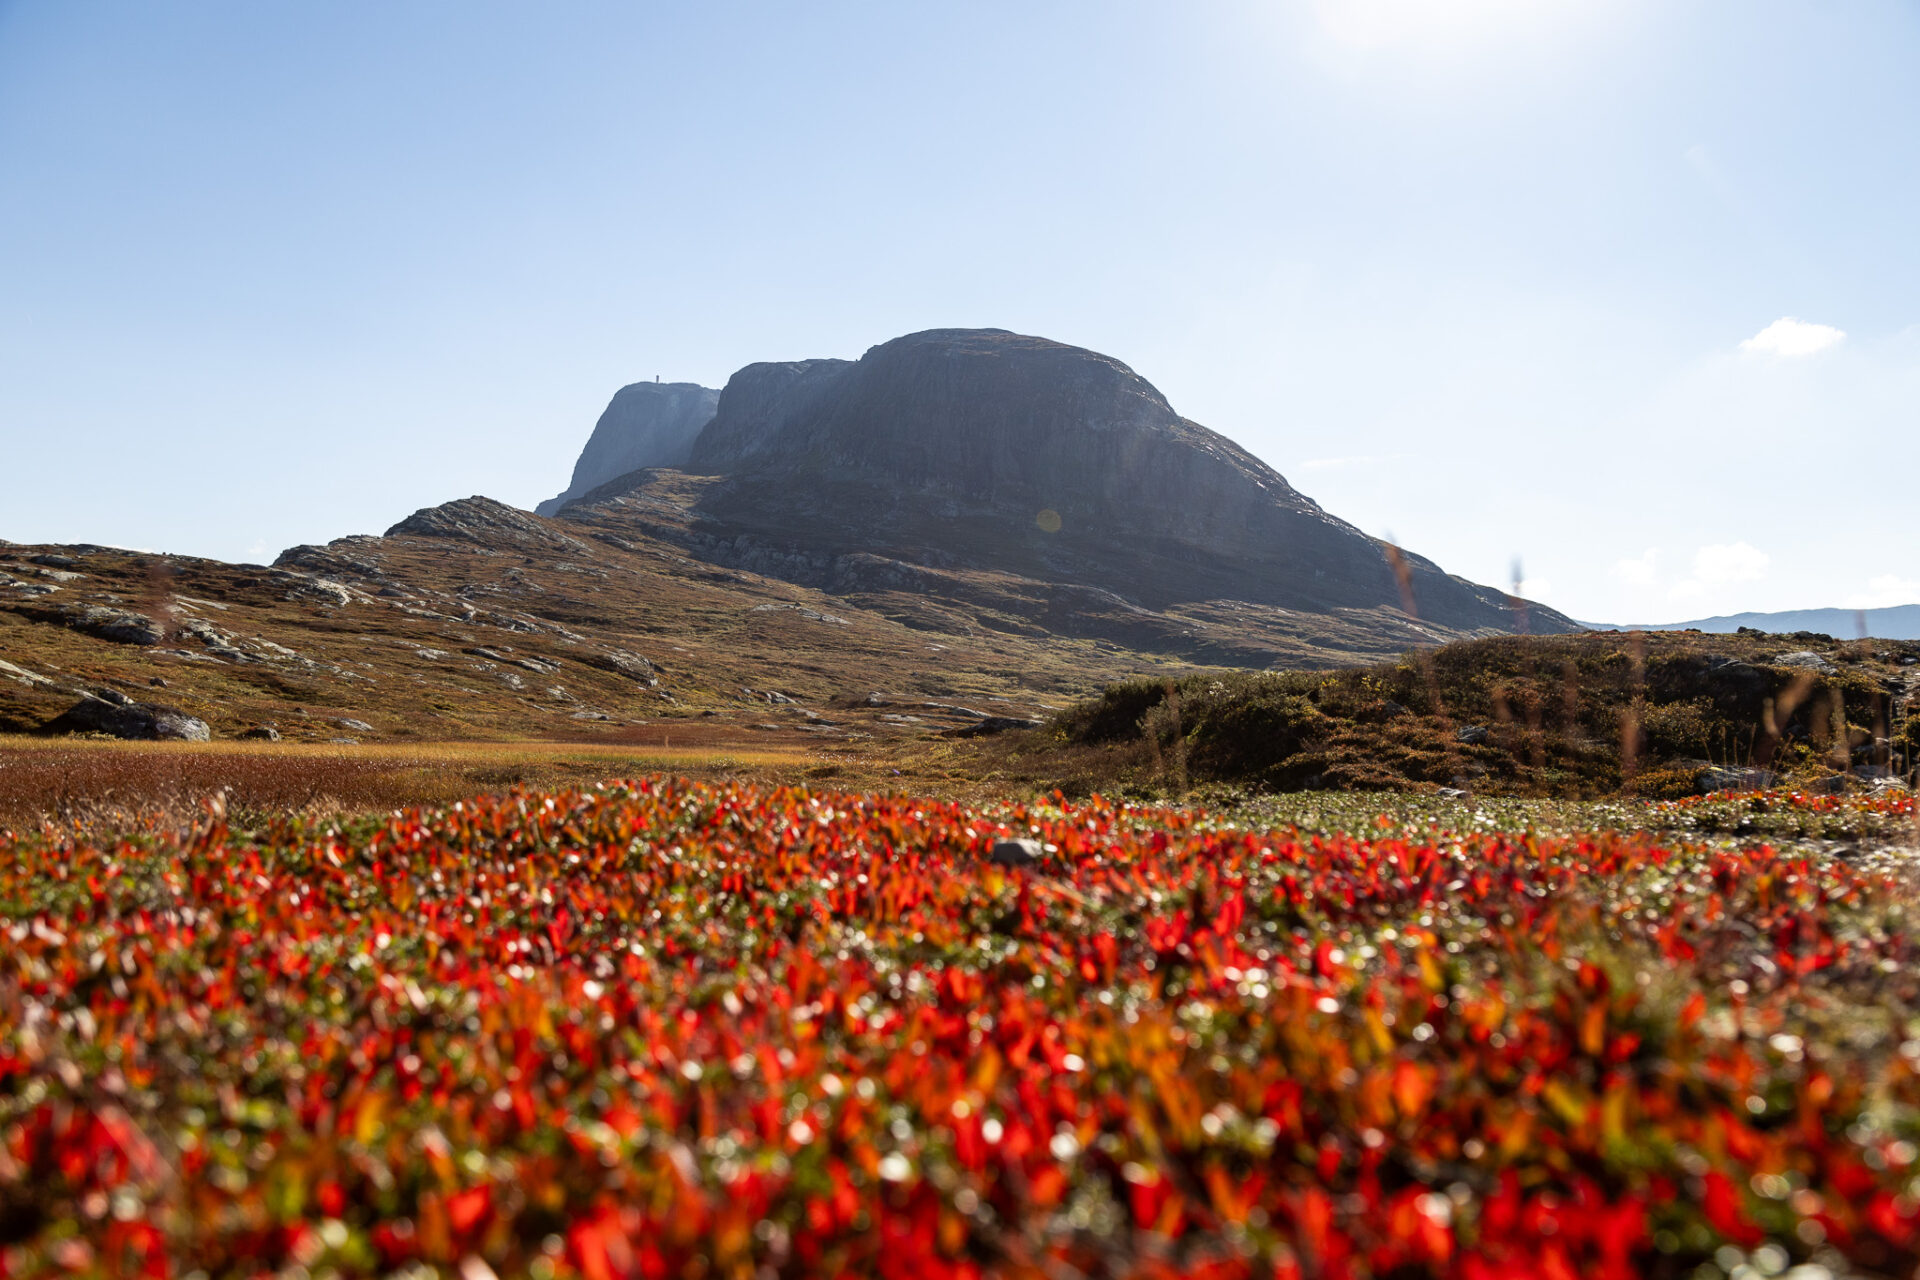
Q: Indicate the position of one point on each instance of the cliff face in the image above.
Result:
(987, 449)
(648, 424)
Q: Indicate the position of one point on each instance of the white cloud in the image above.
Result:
(1730, 562)
(1535, 588)
(1791, 338)
(1885, 592)
(1639, 571)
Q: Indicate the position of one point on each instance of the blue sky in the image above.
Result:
(1628, 291)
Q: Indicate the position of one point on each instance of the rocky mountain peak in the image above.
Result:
(992, 451)
(646, 424)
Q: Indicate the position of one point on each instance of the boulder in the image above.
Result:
(1719, 778)
(114, 713)
(1472, 735)
(1017, 853)
(122, 626)
(1806, 660)
(262, 733)
(988, 725)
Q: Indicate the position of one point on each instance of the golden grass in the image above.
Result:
(89, 782)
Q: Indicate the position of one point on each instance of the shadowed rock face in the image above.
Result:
(987, 449)
(648, 424)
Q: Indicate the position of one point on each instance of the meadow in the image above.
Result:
(666, 1027)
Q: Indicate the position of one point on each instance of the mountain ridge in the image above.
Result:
(1011, 453)
(1893, 622)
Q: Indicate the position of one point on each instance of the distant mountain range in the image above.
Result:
(1899, 623)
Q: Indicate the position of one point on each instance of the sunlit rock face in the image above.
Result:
(648, 424)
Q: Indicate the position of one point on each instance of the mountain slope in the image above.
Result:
(968, 523)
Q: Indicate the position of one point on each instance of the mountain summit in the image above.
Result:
(647, 424)
(984, 451)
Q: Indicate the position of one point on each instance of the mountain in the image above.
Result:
(988, 451)
(1902, 622)
(647, 424)
(961, 527)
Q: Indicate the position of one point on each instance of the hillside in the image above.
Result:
(961, 526)
(474, 619)
(1655, 714)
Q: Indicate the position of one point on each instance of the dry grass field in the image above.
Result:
(100, 784)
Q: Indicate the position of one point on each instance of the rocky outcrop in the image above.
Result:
(484, 522)
(647, 424)
(111, 712)
(106, 622)
(984, 449)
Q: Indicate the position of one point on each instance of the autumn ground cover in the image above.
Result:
(669, 1028)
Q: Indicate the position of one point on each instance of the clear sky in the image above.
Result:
(1629, 291)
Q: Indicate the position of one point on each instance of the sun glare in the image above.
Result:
(1369, 24)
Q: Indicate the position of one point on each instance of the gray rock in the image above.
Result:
(122, 626)
(631, 665)
(647, 424)
(53, 561)
(1472, 734)
(988, 725)
(23, 676)
(1017, 853)
(1717, 778)
(358, 726)
(112, 712)
(262, 733)
(1807, 660)
(219, 643)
